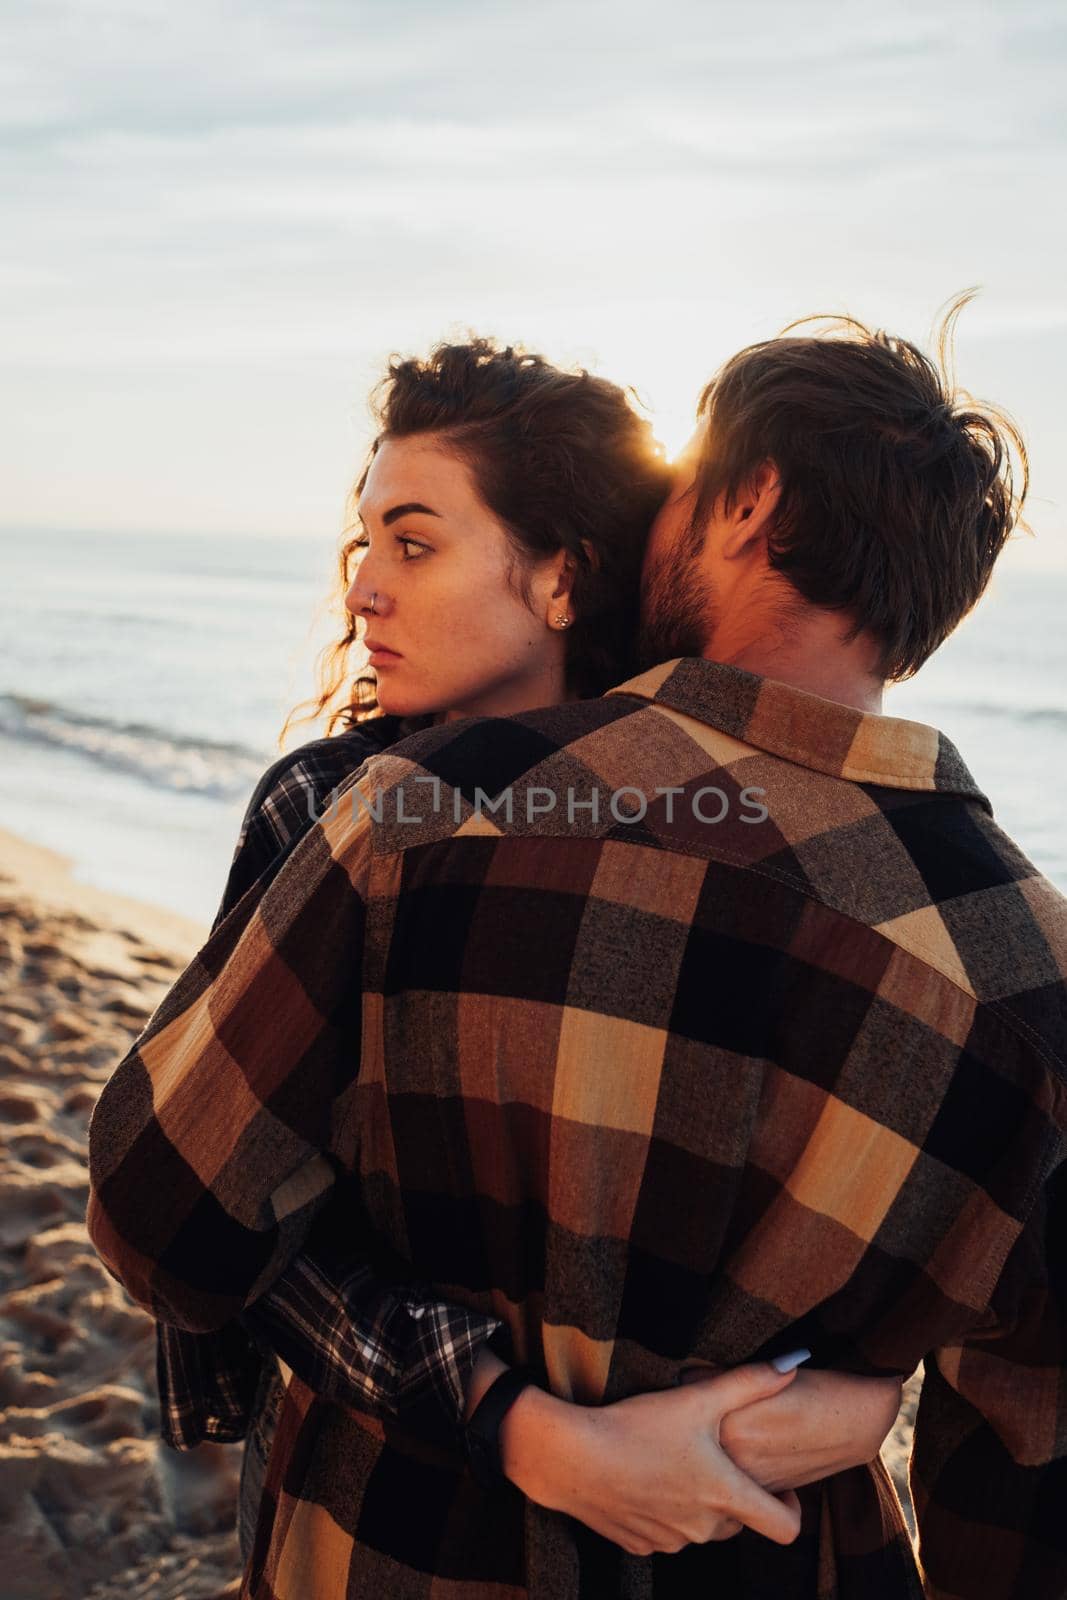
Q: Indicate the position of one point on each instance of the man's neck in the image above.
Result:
(811, 657)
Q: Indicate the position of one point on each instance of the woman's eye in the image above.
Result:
(411, 547)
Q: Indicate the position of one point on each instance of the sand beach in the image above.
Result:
(94, 1506)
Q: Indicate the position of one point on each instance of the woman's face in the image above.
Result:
(453, 635)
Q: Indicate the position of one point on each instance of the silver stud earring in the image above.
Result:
(562, 620)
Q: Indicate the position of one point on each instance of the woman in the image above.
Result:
(495, 566)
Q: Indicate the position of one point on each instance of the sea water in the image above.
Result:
(144, 681)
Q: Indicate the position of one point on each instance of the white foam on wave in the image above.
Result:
(188, 766)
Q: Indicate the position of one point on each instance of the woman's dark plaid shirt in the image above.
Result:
(393, 1350)
(649, 1089)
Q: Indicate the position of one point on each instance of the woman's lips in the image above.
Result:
(380, 655)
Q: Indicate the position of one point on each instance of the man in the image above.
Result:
(740, 1026)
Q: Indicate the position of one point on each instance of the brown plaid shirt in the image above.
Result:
(391, 1349)
(777, 1058)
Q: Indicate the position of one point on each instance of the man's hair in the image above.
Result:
(897, 489)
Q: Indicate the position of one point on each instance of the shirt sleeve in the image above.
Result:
(346, 1331)
(216, 1140)
(395, 1352)
(288, 799)
(989, 1464)
(207, 1382)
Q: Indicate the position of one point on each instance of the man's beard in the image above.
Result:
(677, 606)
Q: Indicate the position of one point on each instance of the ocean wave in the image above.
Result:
(157, 756)
(942, 710)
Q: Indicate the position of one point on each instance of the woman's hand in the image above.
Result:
(648, 1473)
(685, 1466)
(823, 1423)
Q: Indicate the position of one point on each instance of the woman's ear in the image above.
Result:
(559, 613)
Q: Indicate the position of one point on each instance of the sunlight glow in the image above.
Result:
(674, 427)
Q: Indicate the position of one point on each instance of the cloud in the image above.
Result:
(296, 188)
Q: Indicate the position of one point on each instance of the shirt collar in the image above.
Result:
(806, 729)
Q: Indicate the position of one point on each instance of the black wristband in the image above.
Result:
(482, 1432)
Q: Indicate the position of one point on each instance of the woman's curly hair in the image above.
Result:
(563, 459)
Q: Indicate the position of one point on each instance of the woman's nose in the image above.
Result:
(364, 601)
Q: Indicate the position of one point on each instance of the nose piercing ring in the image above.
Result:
(374, 603)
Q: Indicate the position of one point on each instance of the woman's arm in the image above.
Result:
(824, 1423)
(207, 1382)
(388, 1349)
(692, 1464)
(650, 1473)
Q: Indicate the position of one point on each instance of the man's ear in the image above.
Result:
(752, 512)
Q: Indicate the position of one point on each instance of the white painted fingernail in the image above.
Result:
(786, 1363)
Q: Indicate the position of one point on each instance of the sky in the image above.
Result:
(219, 220)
